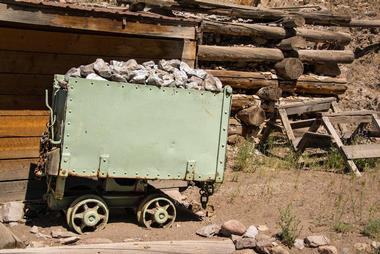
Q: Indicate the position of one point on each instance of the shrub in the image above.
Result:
(372, 229)
(244, 155)
(290, 226)
(342, 227)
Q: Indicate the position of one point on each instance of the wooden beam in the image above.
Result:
(16, 148)
(374, 23)
(122, 24)
(23, 190)
(326, 56)
(331, 130)
(241, 54)
(23, 126)
(159, 247)
(288, 128)
(74, 44)
(274, 32)
(19, 169)
(366, 151)
(306, 84)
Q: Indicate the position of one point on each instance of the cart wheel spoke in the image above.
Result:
(166, 207)
(79, 215)
(150, 211)
(157, 204)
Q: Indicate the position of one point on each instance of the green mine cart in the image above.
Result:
(113, 144)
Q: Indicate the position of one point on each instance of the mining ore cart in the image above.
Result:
(112, 144)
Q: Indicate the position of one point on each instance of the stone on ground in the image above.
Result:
(209, 230)
(245, 243)
(299, 244)
(279, 250)
(362, 247)
(69, 240)
(36, 244)
(95, 241)
(262, 228)
(58, 233)
(315, 241)
(375, 245)
(251, 232)
(327, 249)
(11, 212)
(234, 227)
(34, 230)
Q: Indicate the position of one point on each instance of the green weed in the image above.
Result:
(243, 159)
(290, 226)
(342, 227)
(372, 229)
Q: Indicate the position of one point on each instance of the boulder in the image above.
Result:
(315, 241)
(299, 244)
(245, 243)
(327, 249)
(36, 244)
(11, 212)
(209, 230)
(233, 227)
(251, 232)
(73, 72)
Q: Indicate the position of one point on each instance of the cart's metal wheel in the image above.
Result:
(156, 211)
(87, 213)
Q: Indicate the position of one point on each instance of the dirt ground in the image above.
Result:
(319, 199)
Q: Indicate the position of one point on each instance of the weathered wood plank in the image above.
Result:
(60, 19)
(21, 190)
(15, 148)
(25, 84)
(51, 63)
(24, 113)
(22, 126)
(22, 102)
(331, 130)
(159, 247)
(287, 126)
(367, 151)
(69, 43)
(19, 169)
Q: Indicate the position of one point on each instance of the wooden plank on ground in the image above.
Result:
(116, 24)
(21, 190)
(94, 45)
(19, 169)
(22, 126)
(17, 148)
(376, 122)
(159, 247)
(366, 151)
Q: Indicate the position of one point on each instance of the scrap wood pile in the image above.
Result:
(264, 54)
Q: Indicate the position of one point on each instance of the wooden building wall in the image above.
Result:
(28, 60)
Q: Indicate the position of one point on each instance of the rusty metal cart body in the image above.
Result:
(129, 141)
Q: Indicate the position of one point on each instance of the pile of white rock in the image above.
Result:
(167, 73)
